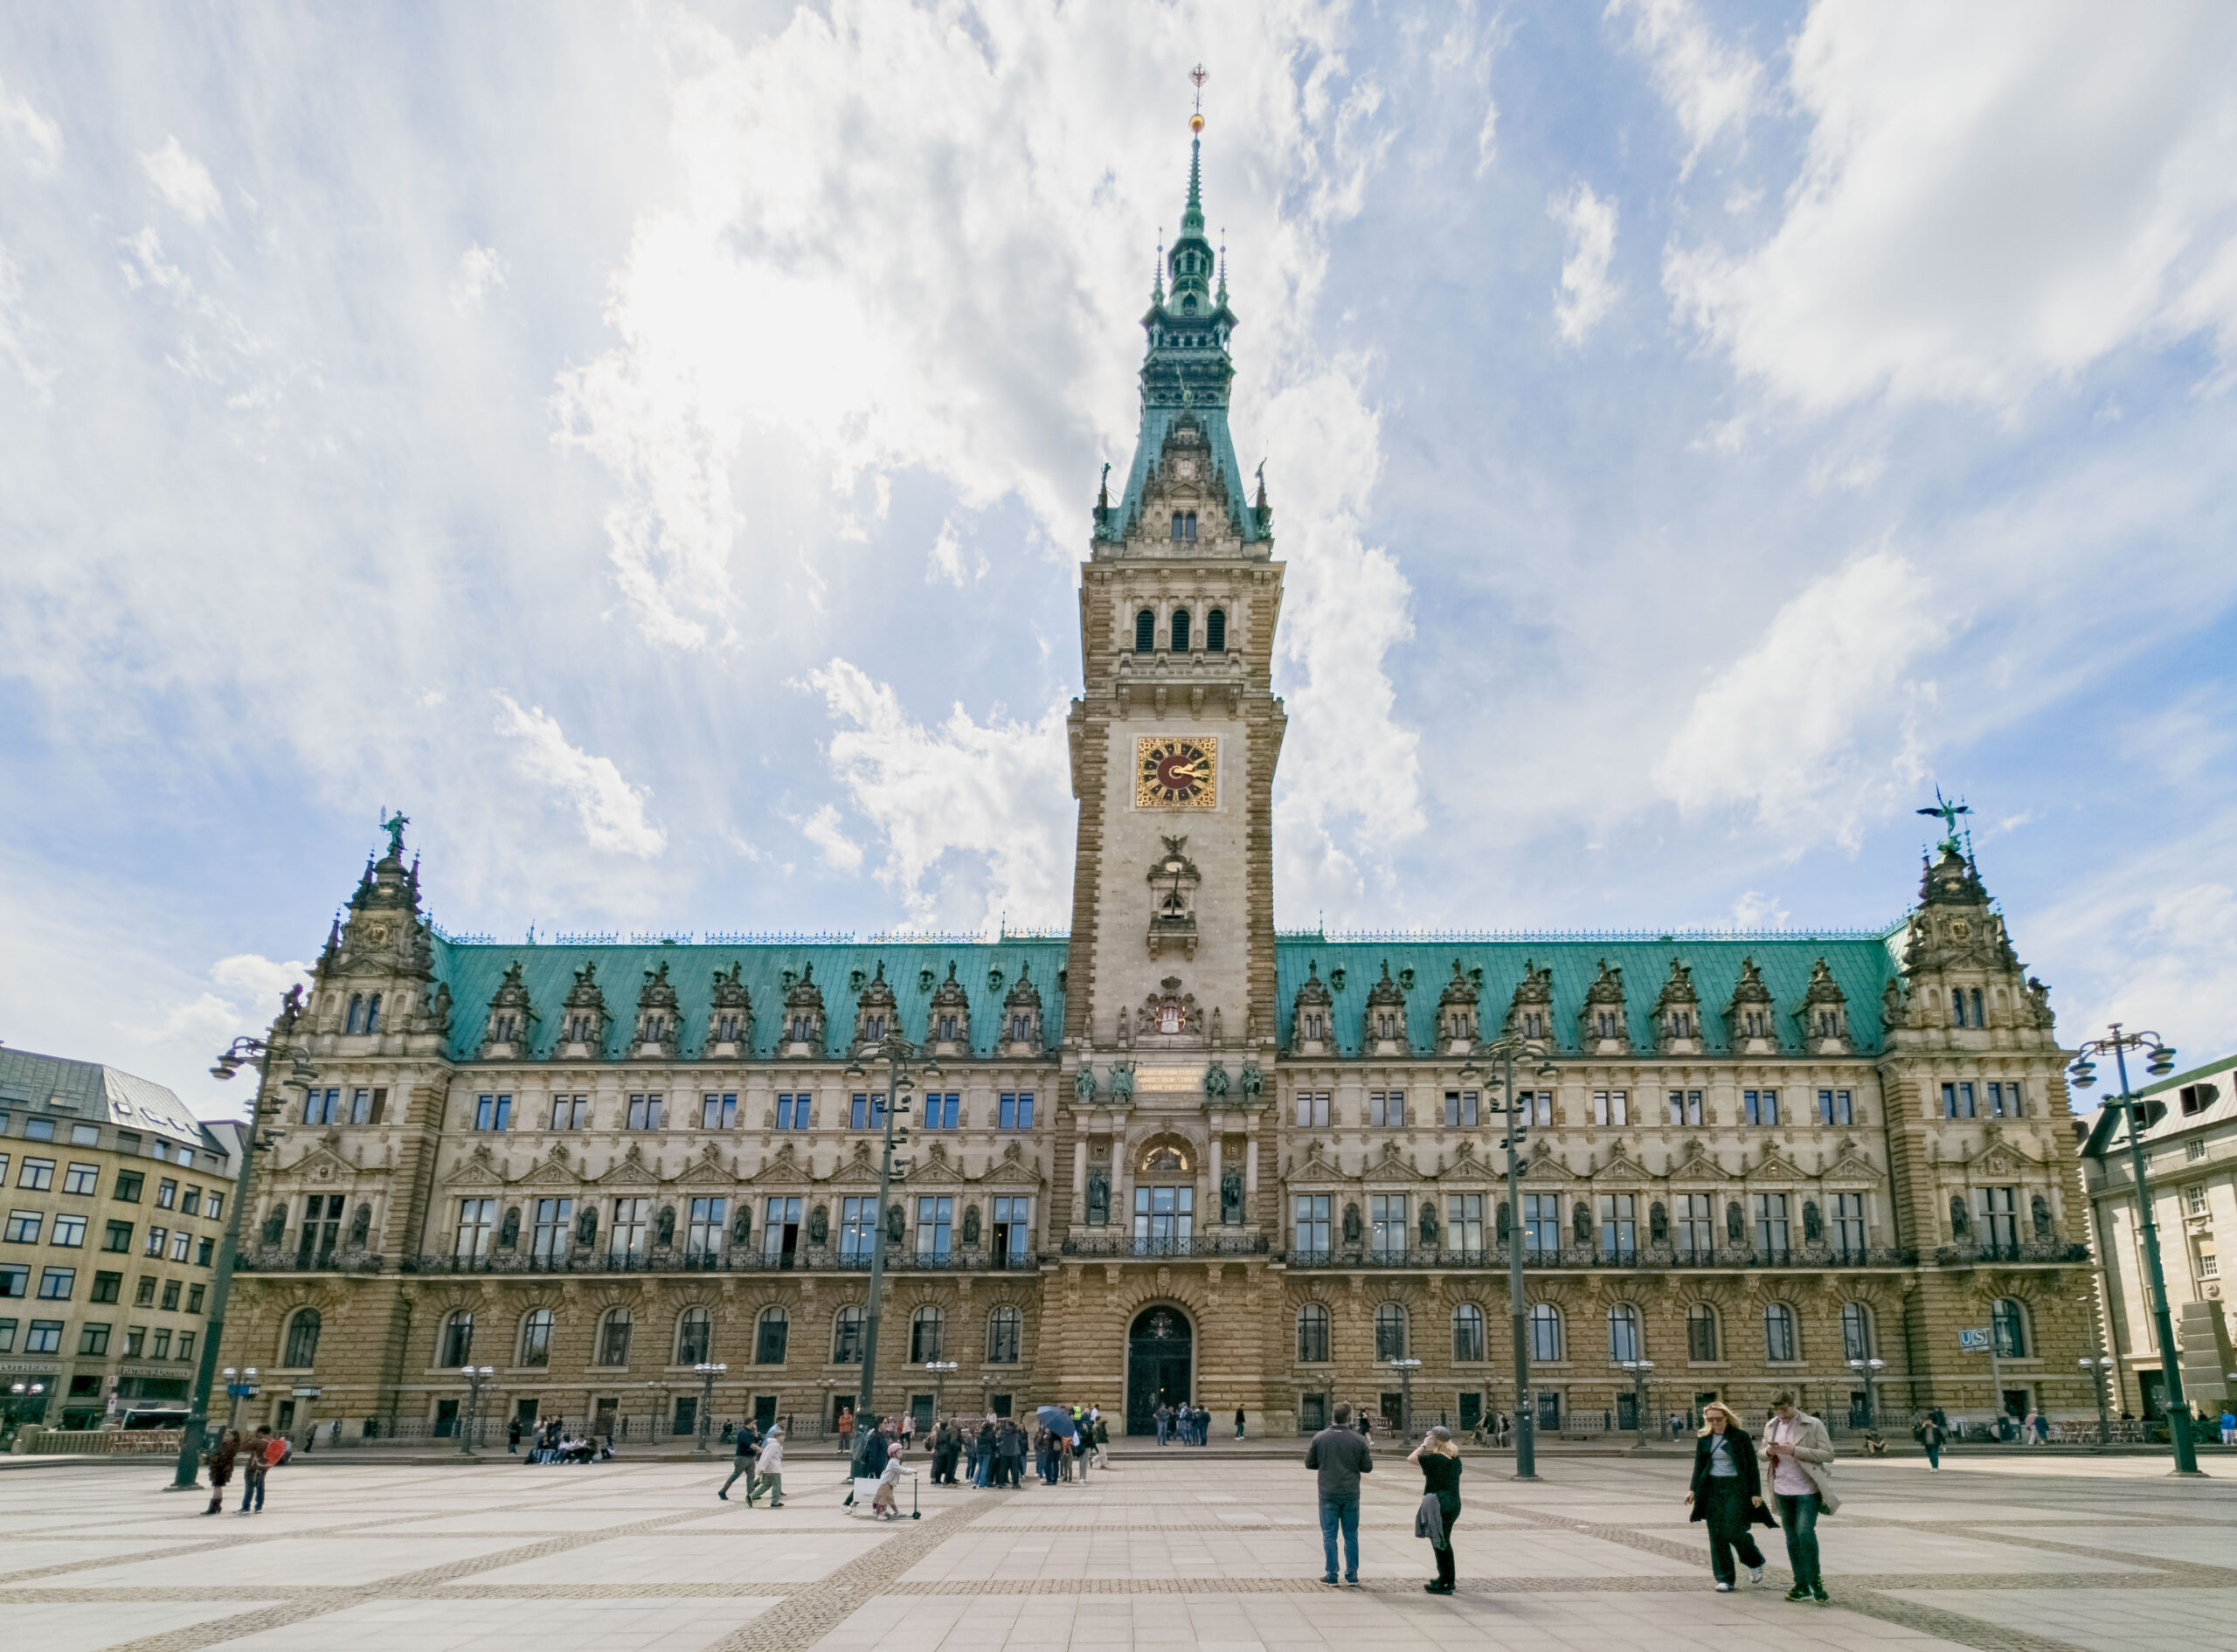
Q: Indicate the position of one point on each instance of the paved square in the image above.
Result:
(1168, 1551)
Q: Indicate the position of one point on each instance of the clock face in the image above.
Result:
(1178, 773)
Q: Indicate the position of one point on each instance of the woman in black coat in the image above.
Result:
(1728, 1492)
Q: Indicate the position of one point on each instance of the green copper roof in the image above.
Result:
(1860, 964)
(913, 969)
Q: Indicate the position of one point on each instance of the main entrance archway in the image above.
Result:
(1160, 1359)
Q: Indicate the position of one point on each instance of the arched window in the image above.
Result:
(1700, 1332)
(1468, 1333)
(695, 1332)
(536, 1338)
(847, 1336)
(302, 1340)
(1215, 632)
(1144, 632)
(457, 1345)
(1005, 1328)
(1313, 1334)
(2008, 1325)
(1856, 1331)
(373, 1013)
(769, 1334)
(1390, 1331)
(1781, 1345)
(614, 1339)
(1180, 630)
(357, 1021)
(1545, 1333)
(926, 1329)
(1622, 1333)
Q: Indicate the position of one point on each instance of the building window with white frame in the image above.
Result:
(1611, 1107)
(1685, 1107)
(1312, 1109)
(477, 1222)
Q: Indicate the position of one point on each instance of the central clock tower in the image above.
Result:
(1169, 1006)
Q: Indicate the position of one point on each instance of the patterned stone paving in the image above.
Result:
(366, 1556)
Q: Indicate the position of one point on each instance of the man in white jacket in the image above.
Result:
(769, 1469)
(1798, 1473)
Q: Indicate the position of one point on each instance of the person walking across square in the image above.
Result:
(742, 1454)
(1340, 1456)
(221, 1461)
(769, 1470)
(1728, 1493)
(1800, 1452)
(1928, 1433)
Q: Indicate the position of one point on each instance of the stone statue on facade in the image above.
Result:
(586, 1228)
(742, 1229)
(971, 1224)
(1429, 1225)
(1098, 1199)
(1121, 1082)
(1351, 1224)
(509, 1231)
(361, 1226)
(895, 1223)
(1253, 1082)
(819, 1225)
(664, 1226)
(1215, 1080)
(1083, 1087)
(1231, 1196)
(275, 1224)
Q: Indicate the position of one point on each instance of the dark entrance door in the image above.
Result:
(1159, 1349)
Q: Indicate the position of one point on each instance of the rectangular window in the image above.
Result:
(190, 1202)
(1692, 1227)
(942, 1112)
(857, 1228)
(780, 1231)
(1759, 1107)
(213, 1206)
(1537, 1106)
(792, 1112)
(167, 1194)
(25, 1226)
(631, 1216)
(38, 1174)
(1386, 1109)
(170, 1296)
(1463, 1223)
(93, 1340)
(2195, 1200)
(1015, 1112)
(1611, 1107)
(1460, 1109)
(1012, 1225)
(493, 1112)
(1542, 1226)
(867, 1112)
(2000, 1217)
(1387, 1220)
(69, 1232)
(1771, 1228)
(82, 1179)
(1619, 1226)
(1957, 1101)
(194, 1298)
(1685, 1107)
(1164, 1216)
(162, 1348)
(15, 1280)
(119, 1237)
(1847, 1226)
(703, 1237)
(718, 1112)
(361, 1106)
(129, 1183)
(144, 1291)
(186, 1344)
(183, 1244)
(106, 1287)
(84, 1135)
(2208, 1266)
(38, 1129)
(7, 1336)
(1309, 1224)
(1835, 1107)
(935, 1226)
(45, 1338)
(2004, 1100)
(135, 1342)
(2193, 1150)
(554, 1220)
(477, 1220)
(645, 1112)
(158, 1237)
(1312, 1108)
(571, 1112)
(322, 1107)
(202, 1251)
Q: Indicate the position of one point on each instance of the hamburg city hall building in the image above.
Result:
(1177, 1154)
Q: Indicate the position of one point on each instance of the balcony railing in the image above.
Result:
(742, 1260)
(1197, 1245)
(2033, 1250)
(274, 1259)
(1655, 1256)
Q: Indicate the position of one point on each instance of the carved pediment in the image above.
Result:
(1851, 1166)
(783, 1169)
(553, 1171)
(479, 1166)
(1395, 1161)
(936, 1169)
(322, 1164)
(860, 1170)
(1544, 1167)
(1776, 1167)
(631, 1171)
(1624, 1167)
(706, 1170)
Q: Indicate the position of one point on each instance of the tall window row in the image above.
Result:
(614, 1338)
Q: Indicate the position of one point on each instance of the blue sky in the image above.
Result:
(652, 448)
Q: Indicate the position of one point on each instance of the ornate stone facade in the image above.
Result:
(1176, 1153)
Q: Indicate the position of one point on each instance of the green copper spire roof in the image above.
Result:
(1186, 371)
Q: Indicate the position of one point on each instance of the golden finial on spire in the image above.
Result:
(1197, 120)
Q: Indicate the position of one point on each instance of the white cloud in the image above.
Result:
(976, 817)
(610, 811)
(840, 852)
(1755, 910)
(1993, 196)
(184, 181)
(1708, 83)
(1587, 293)
(481, 271)
(1817, 727)
(15, 328)
(35, 137)
(249, 989)
(946, 562)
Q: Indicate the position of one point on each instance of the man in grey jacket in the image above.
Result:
(1341, 1455)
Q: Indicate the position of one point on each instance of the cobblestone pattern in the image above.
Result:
(811, 1611)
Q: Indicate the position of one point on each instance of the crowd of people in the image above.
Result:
(1188, 1425)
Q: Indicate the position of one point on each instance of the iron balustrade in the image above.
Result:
(1199, 1245)
(732, 1261)
(1580, 1256)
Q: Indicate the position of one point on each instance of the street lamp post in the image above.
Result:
(707, 1372)
(1506, 1049)
(896, 1050)
(1868, 1372)
(2160, 1061)
(240, 1385)
(1638, 1368)
(2094, 1367)
(940, 1368)
(1405, 1368)
(475, 1376)
(258, 1054)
